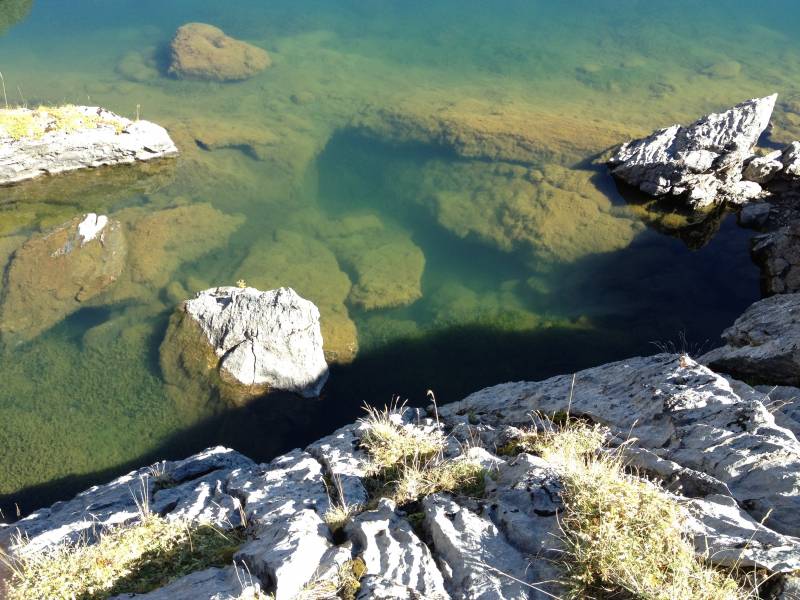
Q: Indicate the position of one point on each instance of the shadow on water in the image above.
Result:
(481, 356)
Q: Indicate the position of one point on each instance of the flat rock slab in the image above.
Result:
(38, 142)
(763, 345)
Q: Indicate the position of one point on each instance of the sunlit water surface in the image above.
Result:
(526, 270)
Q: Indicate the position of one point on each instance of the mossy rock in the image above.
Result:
(555, 214)
(53, 275)
(290, 259)
(161, 241)
(386, 265)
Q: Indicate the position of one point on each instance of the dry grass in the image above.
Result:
(407, 461)
(624, 536)
(345, 586)
(130, 558)
(23, 123)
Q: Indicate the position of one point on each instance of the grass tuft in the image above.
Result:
(133, 558)
(407, 461)
(624, 536)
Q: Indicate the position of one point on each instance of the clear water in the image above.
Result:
(528, 271)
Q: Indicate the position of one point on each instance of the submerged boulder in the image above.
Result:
(52, 275)
(54, 140)
(702, 161)
(248, 341)
(763, 345)
(201, 51)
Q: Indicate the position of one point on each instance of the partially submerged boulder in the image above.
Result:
(702, 161)
(201, 51)
(763, 345)
(248, 342)
(54, 140)
(54, 274)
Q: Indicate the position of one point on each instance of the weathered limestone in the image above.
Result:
(54, 274)
(50, 141)
(230, 583)
(392, 551)
(763, 345)
(201, 51)
(261, 340)
(676, 408)
(702, 161)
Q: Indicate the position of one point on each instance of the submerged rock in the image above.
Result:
(54, 274)
(702, 161)
(248, 342)
(54, 140)
(201, 51)
(547, 212)
(763, 345)
(12, 12)
(387, 266)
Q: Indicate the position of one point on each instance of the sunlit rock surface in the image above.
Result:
(262, 341)
(54, 274)
(201, 51)
(763, 345)
(50, 141)
(685, 424)
(702, 161)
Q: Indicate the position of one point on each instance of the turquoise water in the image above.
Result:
(449, 272)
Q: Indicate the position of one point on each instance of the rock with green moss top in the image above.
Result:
(554, 214)
(387, 266)
(306, 265)
(66, 138)
(54, 274)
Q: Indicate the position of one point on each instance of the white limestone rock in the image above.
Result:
(676, 408)
(471, 550)
(763, 345)
(97, 138)
(115, 503)
(733, 538)
(264, 340)
(345, 462)
(702, 161)
(791, 160)
(390, 549)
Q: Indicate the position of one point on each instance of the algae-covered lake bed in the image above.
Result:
(429, 174)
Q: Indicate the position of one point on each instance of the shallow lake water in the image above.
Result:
(435, 266)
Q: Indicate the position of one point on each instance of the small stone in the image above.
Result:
(754, 214)
(763, 169)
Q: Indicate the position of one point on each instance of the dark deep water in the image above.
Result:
(527, 271)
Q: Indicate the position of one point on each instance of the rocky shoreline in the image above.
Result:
(724, 447)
